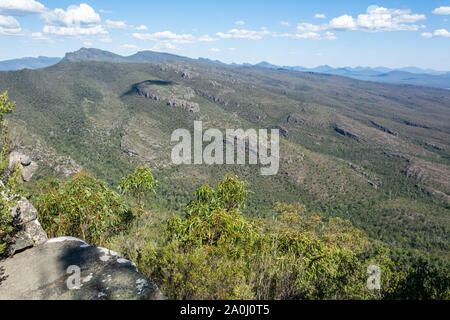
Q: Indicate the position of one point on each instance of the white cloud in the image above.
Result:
(306, 27)
(74, 31)
(307, 35)
(79, 20)
(214, 49)
(240, 23)
(442, 10)
(141, 27)
(441, 33)
(165, 36)
(105, 11)
(115, 24)
(74, 15)
(87, 44)
(437, 33)
(285, 23)
(163, 46)
(382, 19)
(376, 19)
(9, 22)
(244, 34)
(232, 49)
(20, 7)
(312, 35)
(9, 26)
(206, 38)
(304, 31)
(165, 40)
(329, 36)
(344, 22)
(320, 16)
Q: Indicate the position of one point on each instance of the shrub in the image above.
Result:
(138, 183)
(82, 207)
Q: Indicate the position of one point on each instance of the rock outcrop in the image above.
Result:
(345, 132)
(174, 95)
(69, 269)
(26, 165)
(28, 232)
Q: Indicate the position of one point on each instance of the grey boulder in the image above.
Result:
(69, 269)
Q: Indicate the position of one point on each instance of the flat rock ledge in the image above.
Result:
(67, 268)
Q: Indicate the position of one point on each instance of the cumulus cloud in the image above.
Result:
(308, 27)
(304, 31)
(240, 23)
(320, 16)
(74, 15)
(313, 35)
(344, 22)
(115, 24)
(442, 11)
(20, 7)
(206, 38)
(437, 33)
(74, 31)
(79, 20)
(9, 25)
(376, 19)
(9, 22)
(141, 27)
(285, 23)
(383, 19)
(163, 46)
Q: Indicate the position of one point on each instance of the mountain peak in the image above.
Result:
(92, 54)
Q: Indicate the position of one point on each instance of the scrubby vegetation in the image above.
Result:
(82, 207)
(212, 251)
(9, 181)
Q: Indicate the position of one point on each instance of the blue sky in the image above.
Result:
(307, 33)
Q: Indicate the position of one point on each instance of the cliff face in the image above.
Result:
(63, 268)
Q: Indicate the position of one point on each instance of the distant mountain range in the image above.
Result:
(406, 75)
(28, 63)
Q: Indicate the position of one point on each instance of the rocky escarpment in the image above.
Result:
(174, 95)
(35, 267)
(346, 132)
(379, 126)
